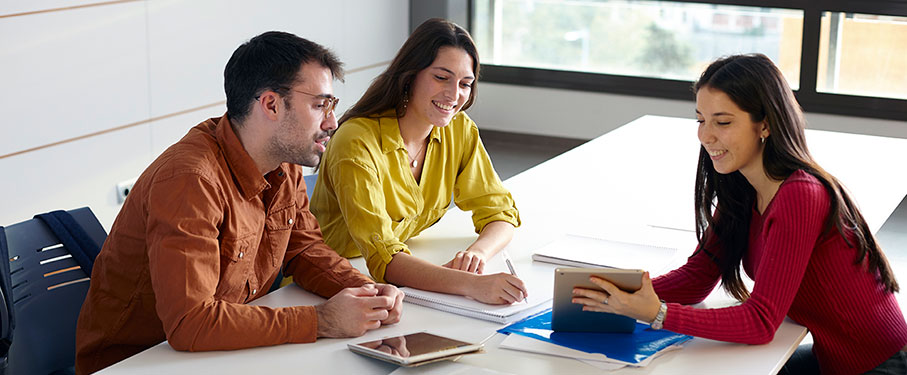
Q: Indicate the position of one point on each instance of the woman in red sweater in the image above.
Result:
(793, 227)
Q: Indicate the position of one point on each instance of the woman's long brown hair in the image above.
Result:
(418, 52)
(756, 85)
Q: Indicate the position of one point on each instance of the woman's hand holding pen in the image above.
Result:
(497, 289)
(641, 305)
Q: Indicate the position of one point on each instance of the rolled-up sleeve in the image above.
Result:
(478, 187)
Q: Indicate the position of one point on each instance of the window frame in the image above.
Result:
(810, 99)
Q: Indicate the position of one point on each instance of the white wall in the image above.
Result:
(91, 93)
(586, 115)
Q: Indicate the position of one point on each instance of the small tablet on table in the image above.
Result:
(414, 349)
(570, 317)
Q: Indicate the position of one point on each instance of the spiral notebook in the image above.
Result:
(465, 306)
(539, 299)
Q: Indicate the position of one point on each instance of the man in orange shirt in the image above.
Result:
(210, 224)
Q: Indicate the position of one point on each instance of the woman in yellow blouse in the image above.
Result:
(399, 155)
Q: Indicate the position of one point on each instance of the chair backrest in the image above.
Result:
(48, 288)
(310, 183)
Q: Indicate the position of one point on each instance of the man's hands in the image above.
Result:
(354, 311)
(395, 312)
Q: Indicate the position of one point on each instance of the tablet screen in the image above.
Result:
(415, 347)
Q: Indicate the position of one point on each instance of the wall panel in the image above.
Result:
(372, 31)
(356, 84)
(97, 92)
(74, 174)
(18, 7)
(168, 131)
(71, 73)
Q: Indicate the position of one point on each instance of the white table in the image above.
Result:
(634, 184)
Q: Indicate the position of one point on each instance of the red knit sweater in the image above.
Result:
(855, 323)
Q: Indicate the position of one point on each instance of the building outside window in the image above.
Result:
(858, 67)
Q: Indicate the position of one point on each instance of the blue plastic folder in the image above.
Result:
(628, 347)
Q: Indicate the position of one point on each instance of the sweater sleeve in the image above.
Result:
(790, 230)
(691, 283)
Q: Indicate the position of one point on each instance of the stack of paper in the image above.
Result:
(603, 350)
(580, 251)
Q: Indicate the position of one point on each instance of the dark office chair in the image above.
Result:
(43, 290)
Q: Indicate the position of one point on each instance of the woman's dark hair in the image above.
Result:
(270, 61)
(418, 52)
(755, 85)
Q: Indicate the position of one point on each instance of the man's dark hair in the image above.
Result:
(270, 61)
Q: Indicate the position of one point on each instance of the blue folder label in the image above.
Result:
(628, 347)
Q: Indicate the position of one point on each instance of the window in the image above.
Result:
(645, 39)
(863, 54)
(840, 56)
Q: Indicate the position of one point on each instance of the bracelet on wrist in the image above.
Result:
(660, 317)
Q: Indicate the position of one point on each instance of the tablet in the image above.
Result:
(570, 317)
(414, 348)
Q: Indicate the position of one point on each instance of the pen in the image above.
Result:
(509, 262)
(512, 270)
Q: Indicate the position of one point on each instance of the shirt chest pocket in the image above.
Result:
(236, 255)
(281, 220)
(279, 225)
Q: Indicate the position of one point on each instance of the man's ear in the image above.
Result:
(269, 104)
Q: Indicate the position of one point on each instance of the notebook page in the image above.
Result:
(539, 299)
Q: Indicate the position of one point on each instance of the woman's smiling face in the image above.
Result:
(728, 133)
(440, 90)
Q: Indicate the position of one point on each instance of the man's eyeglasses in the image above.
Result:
(328, 102)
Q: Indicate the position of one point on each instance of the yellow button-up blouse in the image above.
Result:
(368, 202)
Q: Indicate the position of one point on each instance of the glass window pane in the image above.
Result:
(862, 54)
(656, 39)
